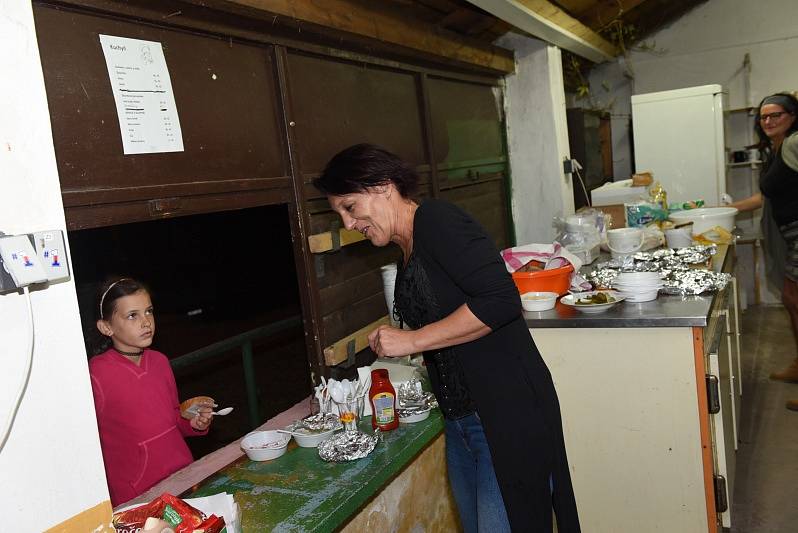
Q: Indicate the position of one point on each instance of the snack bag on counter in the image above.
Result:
(641, 214)
(179, 516)
(190, 408)
(716, 235)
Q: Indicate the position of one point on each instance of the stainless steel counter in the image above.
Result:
(665, 311)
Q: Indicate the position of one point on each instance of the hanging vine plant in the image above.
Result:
(625, 37)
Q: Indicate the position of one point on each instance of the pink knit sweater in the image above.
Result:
(138, 416)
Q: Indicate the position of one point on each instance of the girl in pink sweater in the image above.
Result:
(135, 396)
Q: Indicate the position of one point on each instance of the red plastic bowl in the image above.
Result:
(555, 280)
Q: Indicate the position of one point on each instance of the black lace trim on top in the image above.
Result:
(415, 305)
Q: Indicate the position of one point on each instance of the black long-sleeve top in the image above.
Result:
(501, 375)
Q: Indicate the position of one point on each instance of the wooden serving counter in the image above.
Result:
(401, 484)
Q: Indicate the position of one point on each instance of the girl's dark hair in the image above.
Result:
(790, 105)
(363, 166)
(107, 295)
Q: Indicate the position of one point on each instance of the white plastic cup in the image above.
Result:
(624, 242)
(679, 237)
(388, 284)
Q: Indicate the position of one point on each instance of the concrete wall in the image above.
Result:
(51, 467)
(537, 138)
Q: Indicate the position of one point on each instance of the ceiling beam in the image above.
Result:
(546, 21)
(375, 21)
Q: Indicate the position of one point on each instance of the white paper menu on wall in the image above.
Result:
(145, 103)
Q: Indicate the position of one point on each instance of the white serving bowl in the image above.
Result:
(640, 296)
(706, 218)
(265, 445)
(638, 276)
(311, 439)
(651, 283)
(538, 301)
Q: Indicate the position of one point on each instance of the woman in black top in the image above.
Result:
(777, 128)
(495, 391)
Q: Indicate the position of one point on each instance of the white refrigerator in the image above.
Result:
(679, 135)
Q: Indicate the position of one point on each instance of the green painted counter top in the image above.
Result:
(300, 492)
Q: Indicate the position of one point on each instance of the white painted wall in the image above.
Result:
(51, 467)
(537, 138)
(706, 46)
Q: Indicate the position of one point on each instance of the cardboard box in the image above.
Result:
(617, 212)
(607, 195)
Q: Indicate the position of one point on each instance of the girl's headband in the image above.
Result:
(102, 298)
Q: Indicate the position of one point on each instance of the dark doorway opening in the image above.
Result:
(213, 277)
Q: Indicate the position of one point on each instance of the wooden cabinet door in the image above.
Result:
(234, 149)
(467, 124)
(722, 422)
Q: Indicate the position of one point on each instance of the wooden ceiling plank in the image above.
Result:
(651, 15)
(372, 20)
(577, 7)
(607, 10)
(546, 21)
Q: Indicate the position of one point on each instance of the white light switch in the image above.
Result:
(52, 254)
(20, 260)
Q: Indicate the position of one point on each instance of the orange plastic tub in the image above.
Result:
(555, 280)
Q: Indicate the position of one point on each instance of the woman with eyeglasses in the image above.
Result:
(776, 125)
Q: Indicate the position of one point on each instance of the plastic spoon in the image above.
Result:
(222, 412)
(335, 391)
(346, 388)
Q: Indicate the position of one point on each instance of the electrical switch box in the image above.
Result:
(50, 248)
(20, 261)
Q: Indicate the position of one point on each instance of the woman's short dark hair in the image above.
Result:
(363, 166)
(789, 103)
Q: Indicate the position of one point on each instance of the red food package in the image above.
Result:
(214, 524)
(132, 520)
(183, 517)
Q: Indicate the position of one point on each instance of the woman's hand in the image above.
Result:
(387, 341)
(202, 421)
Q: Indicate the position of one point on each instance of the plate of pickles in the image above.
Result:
(592, 301)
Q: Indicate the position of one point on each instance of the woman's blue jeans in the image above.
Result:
(472, 478)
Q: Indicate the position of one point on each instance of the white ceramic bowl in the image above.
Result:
(538, 301)
(645, 296)
(265, 445)
(311, 439)
(414, 418)
(571, 299)
(706, 218)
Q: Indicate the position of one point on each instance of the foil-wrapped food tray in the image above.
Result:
(411, 395)
(409, 412)
(319, 422)
(347, 446)
(677, 268)
(694, 282)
